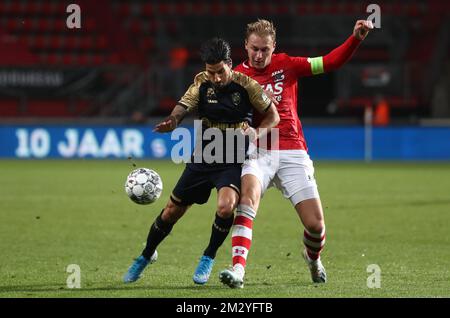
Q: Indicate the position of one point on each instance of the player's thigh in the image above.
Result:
(257, 173)
(192, 187)
(311, 214)
(295, 177)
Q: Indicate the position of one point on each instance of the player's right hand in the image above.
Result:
(362, 28)
(169, 124)
(251, 132)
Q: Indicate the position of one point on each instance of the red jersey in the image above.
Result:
(281, 77)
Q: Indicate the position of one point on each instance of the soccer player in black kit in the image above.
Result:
(223, 100)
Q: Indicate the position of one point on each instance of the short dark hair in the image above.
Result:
(215, 51)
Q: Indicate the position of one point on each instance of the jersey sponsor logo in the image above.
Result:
(211, 96)
(276, 89)
(236, 98)
(278, 76)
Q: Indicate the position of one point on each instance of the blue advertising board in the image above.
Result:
(324, 142)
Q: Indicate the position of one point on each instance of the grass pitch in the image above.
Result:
(57, 213)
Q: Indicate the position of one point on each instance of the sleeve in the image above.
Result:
(330, 62)
(191, 98)
(301, 65)
(340, 55)
(258, 97)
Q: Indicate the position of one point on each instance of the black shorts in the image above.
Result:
(195, 186)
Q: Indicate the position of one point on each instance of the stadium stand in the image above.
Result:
(125, 49)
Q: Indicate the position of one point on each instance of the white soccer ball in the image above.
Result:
(143, 186)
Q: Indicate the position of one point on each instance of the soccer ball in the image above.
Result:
(143, 186)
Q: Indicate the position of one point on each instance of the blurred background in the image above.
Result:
(102, 86)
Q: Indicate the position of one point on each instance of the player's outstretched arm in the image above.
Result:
(171, 122)
(340, 55)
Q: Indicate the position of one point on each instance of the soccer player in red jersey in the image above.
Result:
(288, 165)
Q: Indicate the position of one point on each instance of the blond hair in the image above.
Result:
(261, 28)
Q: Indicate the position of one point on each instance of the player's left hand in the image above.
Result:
(362, 28)
(272, 96)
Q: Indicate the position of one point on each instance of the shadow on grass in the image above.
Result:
(413, 203)
(30, 289)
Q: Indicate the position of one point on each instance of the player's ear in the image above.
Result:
(230, 63)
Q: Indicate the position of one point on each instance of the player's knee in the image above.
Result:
(225, 209)
(316, 226)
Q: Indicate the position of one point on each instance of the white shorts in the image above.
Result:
(291, 171)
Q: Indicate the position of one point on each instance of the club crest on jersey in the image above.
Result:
(278, 76)
(236, 98)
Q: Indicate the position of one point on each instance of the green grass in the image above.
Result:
(56, 213)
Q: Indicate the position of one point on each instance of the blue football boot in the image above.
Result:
(138, 266)
(203, 270)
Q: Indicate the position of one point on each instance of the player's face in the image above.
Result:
(219, 74)
(259, 50)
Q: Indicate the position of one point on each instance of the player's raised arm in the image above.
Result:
(337, 57)
(340, 55)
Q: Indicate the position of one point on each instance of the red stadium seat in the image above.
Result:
(147, 9)
(15, 8)
(198, 8)
(89, 25)
(84, 59)
(57, 58)
(56, 41)
(9, 108)
(47, 108)
(147, 43)
(67, 59)
(44, 25)
(86, 43)
(164, 8)
(32, 7)
(12, 24)
(135, 26)
(232, 8)
(98, 59)
(71, 42)
(124, 10)
(180, 8)
(251, 8)
(40, 42)
(114, 58)
(102, 42)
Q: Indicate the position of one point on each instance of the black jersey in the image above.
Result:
(225, 108)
